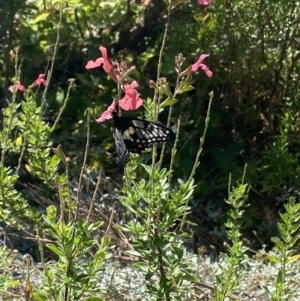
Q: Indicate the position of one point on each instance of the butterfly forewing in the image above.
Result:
(138, 134)
(122, 151)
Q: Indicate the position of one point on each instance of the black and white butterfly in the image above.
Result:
(134, 135)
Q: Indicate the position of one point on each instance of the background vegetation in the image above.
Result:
(254, 52)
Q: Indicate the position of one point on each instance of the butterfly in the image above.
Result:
(135, 135)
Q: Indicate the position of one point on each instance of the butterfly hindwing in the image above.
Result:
(135, 135)
(142, 134)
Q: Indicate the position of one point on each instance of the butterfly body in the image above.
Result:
(135, 135)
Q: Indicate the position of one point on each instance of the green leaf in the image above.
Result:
(54, 249)
(133, 252)
(142, 266)
(272, 258)
(94, 226)
(11, 283)
(280, 277)
(39, 297)
(168, 102)
(51, 212)
(41, 17)
(94, 298)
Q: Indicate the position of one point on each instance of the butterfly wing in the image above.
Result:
(135, 135)
(122, 151)
(139, 134)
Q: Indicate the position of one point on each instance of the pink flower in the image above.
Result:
(40, 81)
(193, 68)
(131, 100)
(108, 68)
(108, 113)
(17, 86)
(204, 2)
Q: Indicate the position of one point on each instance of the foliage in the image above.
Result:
(230, 278)
(283, 257)
(5, 281)
(253, 118)
(280, 163)
(68, 277)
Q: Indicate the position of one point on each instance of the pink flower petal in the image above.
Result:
(94, 64)
(112, 107)
(204, 2)
(106, 115)
(131, 100)
(108, 68)
(16, 86)
(133, 85)
(196, 65)
(193, 68)
(206, 70)
(39, 81)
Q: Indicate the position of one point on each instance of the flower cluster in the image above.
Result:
(18, 86)
(132, 99)
(202, 2)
